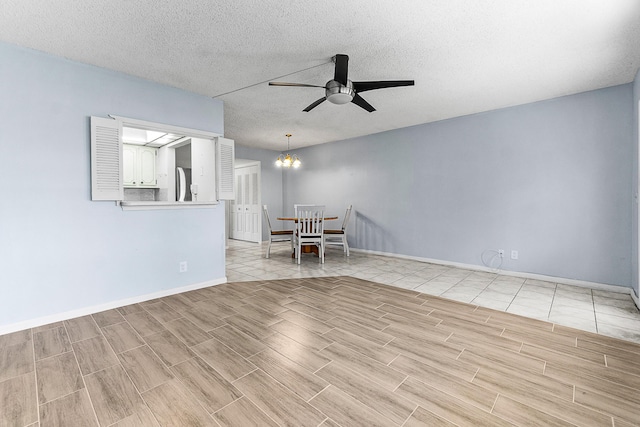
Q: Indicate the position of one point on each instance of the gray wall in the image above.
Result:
(60, 251)
(551, 179)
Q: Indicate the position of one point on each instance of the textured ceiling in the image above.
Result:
(466, 56)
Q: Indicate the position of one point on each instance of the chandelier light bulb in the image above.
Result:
(288, 160)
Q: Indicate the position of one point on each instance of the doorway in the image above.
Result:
(245, 214)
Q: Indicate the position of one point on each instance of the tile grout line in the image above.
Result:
(410, 415)
(122, 366)
(240, 377)
(401, 382)
(595, 315)
(494, 402)
(284, 386)
(228, 404)
(315, 395)
(551, 305)
(75, 356)
(35, 373)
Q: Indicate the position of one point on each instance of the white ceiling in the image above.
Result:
(466, 56)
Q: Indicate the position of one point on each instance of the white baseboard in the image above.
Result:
(563, 280)
(45, 320)
(635, 299)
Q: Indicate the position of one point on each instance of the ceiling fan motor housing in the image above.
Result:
(338, 93)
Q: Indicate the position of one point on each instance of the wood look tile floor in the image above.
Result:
(610, 312)
(328, 351)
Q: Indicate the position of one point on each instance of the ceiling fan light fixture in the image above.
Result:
(339, 94)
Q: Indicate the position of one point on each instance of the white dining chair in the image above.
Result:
(297, 206)
(309, 230)
(339, 237)
(276, 235)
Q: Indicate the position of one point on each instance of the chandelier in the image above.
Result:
(288, 160)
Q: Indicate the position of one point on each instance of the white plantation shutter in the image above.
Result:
(106, 160)
(225, 157)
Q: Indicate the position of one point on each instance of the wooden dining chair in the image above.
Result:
(309, 230)
(339, 237)
(276, 235)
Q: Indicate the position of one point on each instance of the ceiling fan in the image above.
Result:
(341, 90)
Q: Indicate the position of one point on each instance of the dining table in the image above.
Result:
(306, 249)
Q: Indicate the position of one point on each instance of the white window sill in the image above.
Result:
(144, 206)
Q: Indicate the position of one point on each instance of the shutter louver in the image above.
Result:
(106, 160)
(225, 157)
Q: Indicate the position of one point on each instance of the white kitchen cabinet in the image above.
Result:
(139, 166)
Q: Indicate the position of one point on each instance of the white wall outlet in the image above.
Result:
(514, 254)
(183, 266)
(501, 253)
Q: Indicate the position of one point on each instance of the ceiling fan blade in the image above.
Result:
(315, 104)
(293, 84)
(364, 86)
(342, 66)
(359, 101)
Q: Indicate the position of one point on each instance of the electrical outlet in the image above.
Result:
(183, 266)
(514, 254)
(501, 253)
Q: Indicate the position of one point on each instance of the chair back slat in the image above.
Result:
(266, 215)
(310, 221)
(298, 206)
(346, 219)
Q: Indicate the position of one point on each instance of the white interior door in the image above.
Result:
(246, 221)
